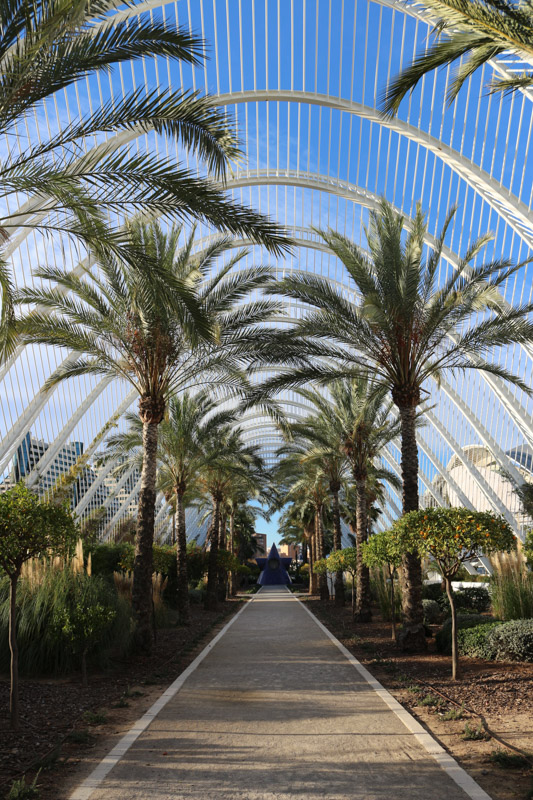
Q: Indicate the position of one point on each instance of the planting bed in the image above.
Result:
(66, 729)
(494, 699)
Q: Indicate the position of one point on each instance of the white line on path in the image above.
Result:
(444, 759)
(90, 784)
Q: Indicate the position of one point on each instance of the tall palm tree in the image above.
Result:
(362, 416)
(183, 436)
(409, 326)
(231, 461)
(477, 29)
(320, 440)
(305, 484)
(72, 186)
(161, 330)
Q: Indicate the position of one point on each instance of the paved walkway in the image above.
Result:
(277, 712)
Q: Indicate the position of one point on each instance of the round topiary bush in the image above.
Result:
(432, 612)
(474, 642)
(512, 641)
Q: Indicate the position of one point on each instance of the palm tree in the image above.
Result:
(305, 484)
(181, 453)
(362, 416)
(320, 442)
(477, 29)
(161, 330)
(73, 187)
(408, 327)
(230, 461)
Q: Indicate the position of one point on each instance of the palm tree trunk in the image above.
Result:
(312, 558)
(232, 586)
(141, 594)
(222, 572)
(362, 600)
(337, 545)
(304, 551)
(174, 528)
(13, 647)
(412, 637)
(211, 599)
(322, 578)
(181, 555)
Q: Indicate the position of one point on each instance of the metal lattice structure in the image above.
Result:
(302, 79)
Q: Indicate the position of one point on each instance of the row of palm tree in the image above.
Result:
(330, 463)
(151, 314)
(409, 326)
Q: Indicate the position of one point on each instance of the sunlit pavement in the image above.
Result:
(275, 710)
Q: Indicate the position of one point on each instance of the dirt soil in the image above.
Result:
(66, 729)
(494, 699)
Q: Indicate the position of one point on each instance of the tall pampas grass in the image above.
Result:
(511, 586)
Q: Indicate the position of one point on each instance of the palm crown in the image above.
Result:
(474, 31)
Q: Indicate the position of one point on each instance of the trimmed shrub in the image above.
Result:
(512, 641)
(432, 591)
(476, 598)
(432, 612)
(443, 638)
(473, 642)
(107, 558)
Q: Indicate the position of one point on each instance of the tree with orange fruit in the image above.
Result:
(452, 536)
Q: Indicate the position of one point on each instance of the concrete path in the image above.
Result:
(276, 712)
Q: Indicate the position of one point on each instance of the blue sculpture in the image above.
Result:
(274, 569)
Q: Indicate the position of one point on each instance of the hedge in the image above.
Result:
(443, 638)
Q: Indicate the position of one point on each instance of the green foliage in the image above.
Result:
(345, 560)
(30, 527)
(323, 565)
(431, 700)
(20, 790)
(381, 549)
(44, 648)
(444, 636)
(95, 717)
(528, 549)
(452, 536)
(453, 713)
(474, 643)
(470, 599)
(107, 558)
(512, 592)
(475, 734)
(197, 563)
(512, 641)
(164, 559)
(506, 760)
(475, 597)
(432, 612)
(433, 591)
(82, 622)
(380, 586)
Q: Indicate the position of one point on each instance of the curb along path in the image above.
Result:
(273, 709)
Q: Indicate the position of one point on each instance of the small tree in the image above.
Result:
(28, 528)
(452, 536)
(345, 561)
(383, 550)
(84, 618)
